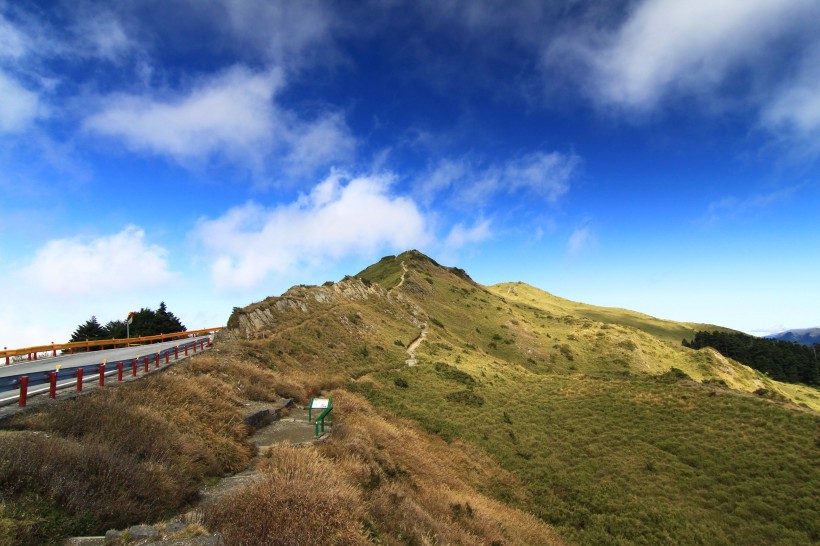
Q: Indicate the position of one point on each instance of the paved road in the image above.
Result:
(37, 370)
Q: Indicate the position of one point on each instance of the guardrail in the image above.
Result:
(77, 376)
(102, 343)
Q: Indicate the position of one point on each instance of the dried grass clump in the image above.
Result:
(302, 499)
(250, 381)
(89, 478)
(192, 427)
(122, 455)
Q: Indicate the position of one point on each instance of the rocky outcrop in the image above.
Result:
(256, 320)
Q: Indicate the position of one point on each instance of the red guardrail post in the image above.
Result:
(23, 391)
(72, 350)
(209, 342)
(194, 346)
(102, 375)
(145, 363)
(119, 371)
(134, 369)
(52, 385)
(176, 352)
(79, 380)
(156, 360)
(186, 349)
(7, 356)
(167, 356)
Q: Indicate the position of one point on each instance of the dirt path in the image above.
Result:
(411, 349)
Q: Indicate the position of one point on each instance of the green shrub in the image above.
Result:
(454, 374)
(468, 398)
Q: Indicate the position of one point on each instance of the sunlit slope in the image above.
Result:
(545, 334)
(667, 330)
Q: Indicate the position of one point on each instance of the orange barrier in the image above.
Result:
(87, 345)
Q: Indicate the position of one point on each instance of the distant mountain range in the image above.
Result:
(806, 336)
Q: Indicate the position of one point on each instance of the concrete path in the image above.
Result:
(292, 428)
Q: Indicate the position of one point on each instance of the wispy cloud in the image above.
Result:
(460, 235)
(794, 114)
(342, 216)
(732, 208)
(546, 175)
(19, 106)
(581, 239)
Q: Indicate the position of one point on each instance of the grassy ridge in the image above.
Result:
(666, 330)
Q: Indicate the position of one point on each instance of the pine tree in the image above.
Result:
(89, 330)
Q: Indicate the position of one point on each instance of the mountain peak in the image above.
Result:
(388, 271)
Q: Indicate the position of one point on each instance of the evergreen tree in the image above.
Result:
(781, 360)
(89, 330)
(145, 323)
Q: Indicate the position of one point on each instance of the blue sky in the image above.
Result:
(655, 155)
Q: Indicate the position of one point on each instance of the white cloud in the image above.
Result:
(98, 267)
(460, 235)
(668, 45)
(232, 115)
(19, 107)
(580, 240)
(342, 216)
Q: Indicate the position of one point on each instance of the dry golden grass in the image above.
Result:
(301, 499)
(122, 455)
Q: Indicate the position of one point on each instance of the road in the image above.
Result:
(38, 370)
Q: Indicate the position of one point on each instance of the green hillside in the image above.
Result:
(468, 414)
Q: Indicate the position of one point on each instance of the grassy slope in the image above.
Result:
(611, 449)
(666, 330)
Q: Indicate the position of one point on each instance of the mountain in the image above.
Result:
(463, 414)
(806, 336)
(612, 430)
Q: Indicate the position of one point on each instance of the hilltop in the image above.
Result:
(471, 414)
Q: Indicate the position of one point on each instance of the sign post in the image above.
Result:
(324, 404)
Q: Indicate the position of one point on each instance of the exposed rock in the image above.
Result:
(256, 320)
(140, 532)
